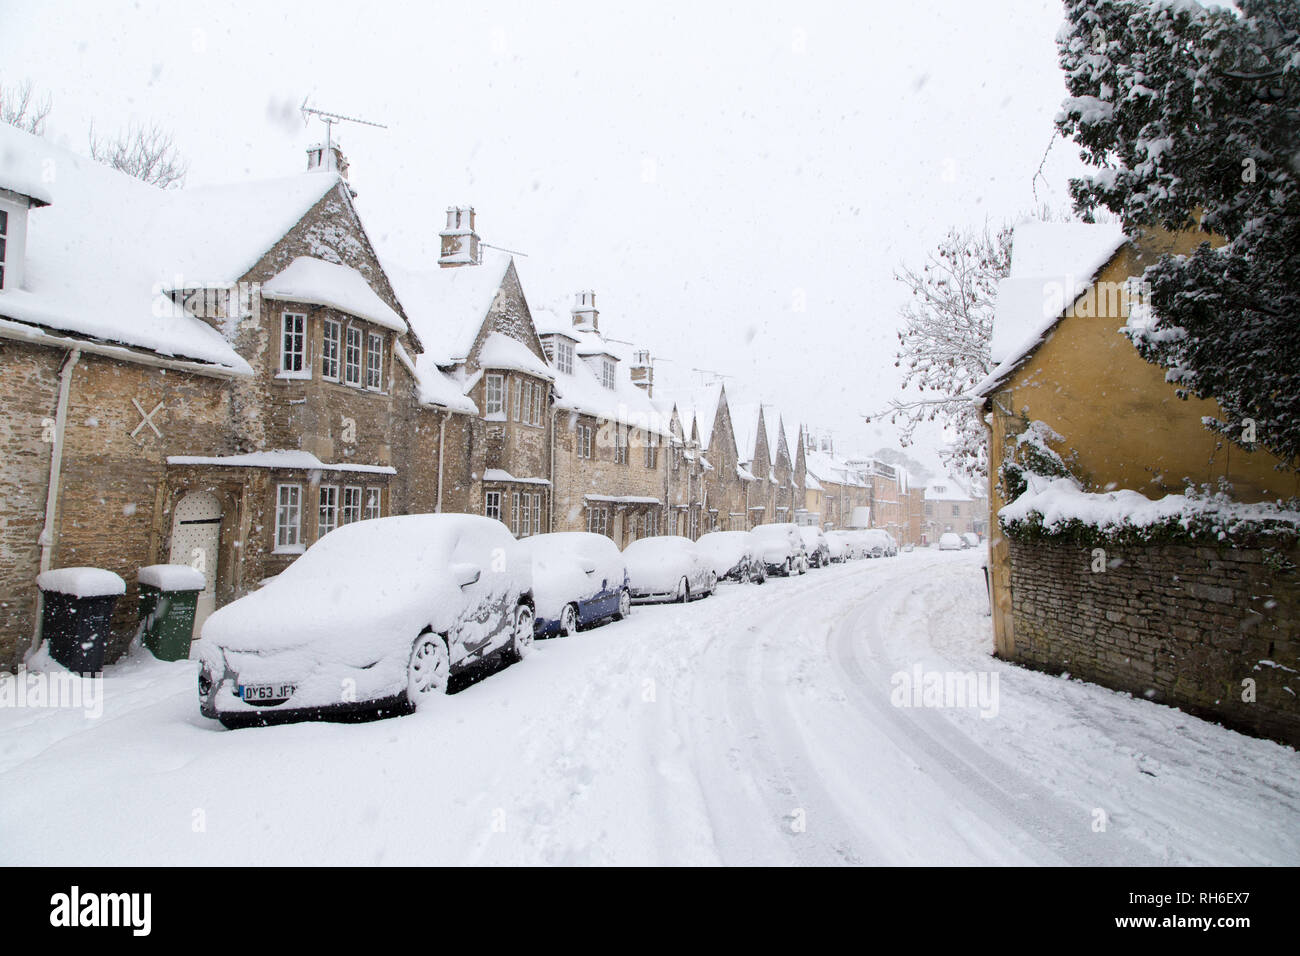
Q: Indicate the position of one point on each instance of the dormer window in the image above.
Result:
(564, 356)
(607, 373)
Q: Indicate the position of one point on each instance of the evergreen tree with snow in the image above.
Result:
(1191, 114)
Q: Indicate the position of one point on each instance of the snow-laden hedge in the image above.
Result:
(1059, 508)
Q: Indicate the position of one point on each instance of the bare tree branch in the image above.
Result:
(20, 107)
(146, 152)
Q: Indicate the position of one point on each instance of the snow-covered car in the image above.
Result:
(579, 579)
(878, 543)
(781, 548)
(836, 549)
(950, 541)
(733, 556)
(815, 546)
(667, 568)
(970, 539)
(376, 615)
(849, 541)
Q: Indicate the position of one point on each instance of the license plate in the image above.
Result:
(265, 693)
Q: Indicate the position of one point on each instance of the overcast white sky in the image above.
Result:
(736, 181)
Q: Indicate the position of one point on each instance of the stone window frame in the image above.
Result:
(598, 519)
(585, 443)
(517, 396)
(494, 395)
(514, 514)
(537, 514)
(539, 391)
(357, 492)
(373, 496)
(492, 504)
(526, 521)
(327, 510)
(374, 361)
(288, 519)
(331, 349)
(620, 444)
(293, 344)
(348, 365)
(651, 450)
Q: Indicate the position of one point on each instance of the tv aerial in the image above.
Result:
(329, 119)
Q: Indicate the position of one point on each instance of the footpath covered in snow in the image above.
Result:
(788, 723)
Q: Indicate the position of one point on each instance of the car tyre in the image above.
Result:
(569, 620)
(624, 605)
(428, 673)
(683, 593)
(521, 640)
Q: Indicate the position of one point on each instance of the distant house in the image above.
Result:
(950, 507)
(1099, 564)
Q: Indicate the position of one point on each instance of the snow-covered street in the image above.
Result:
(754, 727)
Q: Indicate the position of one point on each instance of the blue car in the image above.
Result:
(579, 580)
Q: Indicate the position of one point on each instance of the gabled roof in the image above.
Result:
(503, 352)
(946, 489)
(775, 428)
(446, 307)
(99, 256)
(744, 425)
(627, 404)
(1052, 264)
(698, 408)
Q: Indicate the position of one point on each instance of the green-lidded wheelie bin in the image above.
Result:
(169, 595)
(77, 614)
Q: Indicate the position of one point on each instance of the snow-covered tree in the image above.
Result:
(1192, 116)
(944, 341)
(20, 106)
(146, 152)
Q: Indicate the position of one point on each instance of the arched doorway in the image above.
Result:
(196, 539)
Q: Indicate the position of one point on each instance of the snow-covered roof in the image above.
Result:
(946, 490)
(502, 352)
(828, 469)
(697, 406)
(548, 321)
(447, 307)
(744, 425)
(500, 474)
(773, 423)
(98, 259)
(1052, 264)
(811, 483)
(317, 282)
(435, 386)
(290, 458)
(628, 404)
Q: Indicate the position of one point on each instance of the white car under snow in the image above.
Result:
(733, 555)
(781, 548)
(668, 568)
(376, 615)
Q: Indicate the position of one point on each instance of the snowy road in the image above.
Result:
(753, 727)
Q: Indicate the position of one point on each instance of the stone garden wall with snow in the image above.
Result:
(1212, 630)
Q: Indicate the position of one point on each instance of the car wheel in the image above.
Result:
(788, 568)
(569, 620)
(762, 575)
(746, 575)
(624, 604)
(713, 584)
(428, 674)
(521, 642)
(683, 592)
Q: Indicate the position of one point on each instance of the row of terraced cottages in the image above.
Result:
(219, 376)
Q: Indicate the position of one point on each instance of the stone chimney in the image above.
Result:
(460, 243)
(585, 316)
(643, 372)
(327, 158)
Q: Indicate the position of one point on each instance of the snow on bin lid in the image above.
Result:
(172, 577)
(81, 582)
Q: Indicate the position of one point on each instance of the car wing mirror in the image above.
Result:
(465, 574)
(588, 566)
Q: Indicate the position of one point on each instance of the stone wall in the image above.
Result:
(1177, 624)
